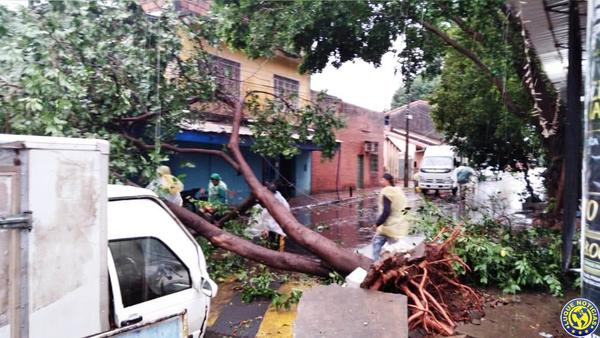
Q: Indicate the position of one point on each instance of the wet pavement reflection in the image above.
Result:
(349, 222)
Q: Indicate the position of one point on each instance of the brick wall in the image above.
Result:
(361, 125)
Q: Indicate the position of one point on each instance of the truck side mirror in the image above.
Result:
(207, 287)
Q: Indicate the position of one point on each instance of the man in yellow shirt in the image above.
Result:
(391, 224)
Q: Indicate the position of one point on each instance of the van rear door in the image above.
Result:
(154, 265)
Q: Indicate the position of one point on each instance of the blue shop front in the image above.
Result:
(293, 176)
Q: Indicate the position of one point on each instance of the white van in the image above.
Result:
(80, 257)
(437, 170)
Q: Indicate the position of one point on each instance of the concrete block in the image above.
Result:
(356, 277)
(333, 311)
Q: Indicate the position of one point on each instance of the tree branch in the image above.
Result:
(498, 83)
(140, 118)
(341, 259)
(222, 239)
(462, 24)
(5, 83)
(165, 146)
(245, 205)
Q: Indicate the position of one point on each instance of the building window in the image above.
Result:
(227, 75)
(286, 89)
(374, 163)
(386, 120)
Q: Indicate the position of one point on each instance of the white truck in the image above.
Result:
(79, 257)
(437, 169)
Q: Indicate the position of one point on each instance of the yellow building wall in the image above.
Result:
(258, 74)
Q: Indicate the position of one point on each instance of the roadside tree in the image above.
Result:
(420, 89)
(487, 33)
(108, 70)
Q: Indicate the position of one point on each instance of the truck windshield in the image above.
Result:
(437, 162)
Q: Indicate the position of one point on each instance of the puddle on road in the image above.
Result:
(347, 223)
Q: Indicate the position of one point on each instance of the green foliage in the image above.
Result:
(338, 31)
(235, 226)
(86, 68)
(258, 285)
(220, 209)
(341, 31)
(285, 301)
(500, 256)
(221, 264)
(78, 68)
(334, 278)
(470, 113)
(420, 89)
(282, 127)
(314, 29)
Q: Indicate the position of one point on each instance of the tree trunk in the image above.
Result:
(247, 249)
(341, 259)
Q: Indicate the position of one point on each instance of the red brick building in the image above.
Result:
(358, 162)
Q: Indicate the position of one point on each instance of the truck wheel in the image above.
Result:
(424, 191)
(454, 191)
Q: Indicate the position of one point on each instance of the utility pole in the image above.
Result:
(408, 118)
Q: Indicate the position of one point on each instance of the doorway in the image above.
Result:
(360, 183)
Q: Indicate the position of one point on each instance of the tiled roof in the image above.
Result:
(421, 121)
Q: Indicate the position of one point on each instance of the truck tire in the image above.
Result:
(454, 191)
(424, 191)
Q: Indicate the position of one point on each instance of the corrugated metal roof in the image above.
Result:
(223, 128)
(213, 127)
(547, 22)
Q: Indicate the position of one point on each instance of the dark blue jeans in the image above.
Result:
(378, 241)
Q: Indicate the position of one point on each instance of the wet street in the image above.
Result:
(348, 222)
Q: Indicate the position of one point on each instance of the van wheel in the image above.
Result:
(454, 191)
(424, 191)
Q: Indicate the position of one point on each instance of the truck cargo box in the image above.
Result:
(54, 259)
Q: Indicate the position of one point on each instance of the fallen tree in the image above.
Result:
(110, 60)
(140, 83)
(247, 249)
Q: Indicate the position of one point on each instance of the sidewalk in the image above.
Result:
(331, 197)
(320, 199)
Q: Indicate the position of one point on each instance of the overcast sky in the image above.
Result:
(361, 83)
(13, 4)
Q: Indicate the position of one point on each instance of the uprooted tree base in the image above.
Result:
(437, 300)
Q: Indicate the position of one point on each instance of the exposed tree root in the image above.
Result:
(437, 300)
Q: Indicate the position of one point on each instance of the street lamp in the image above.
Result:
(408, 118)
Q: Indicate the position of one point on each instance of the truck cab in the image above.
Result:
(155, 266)
(437, 170)
(82, 258)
